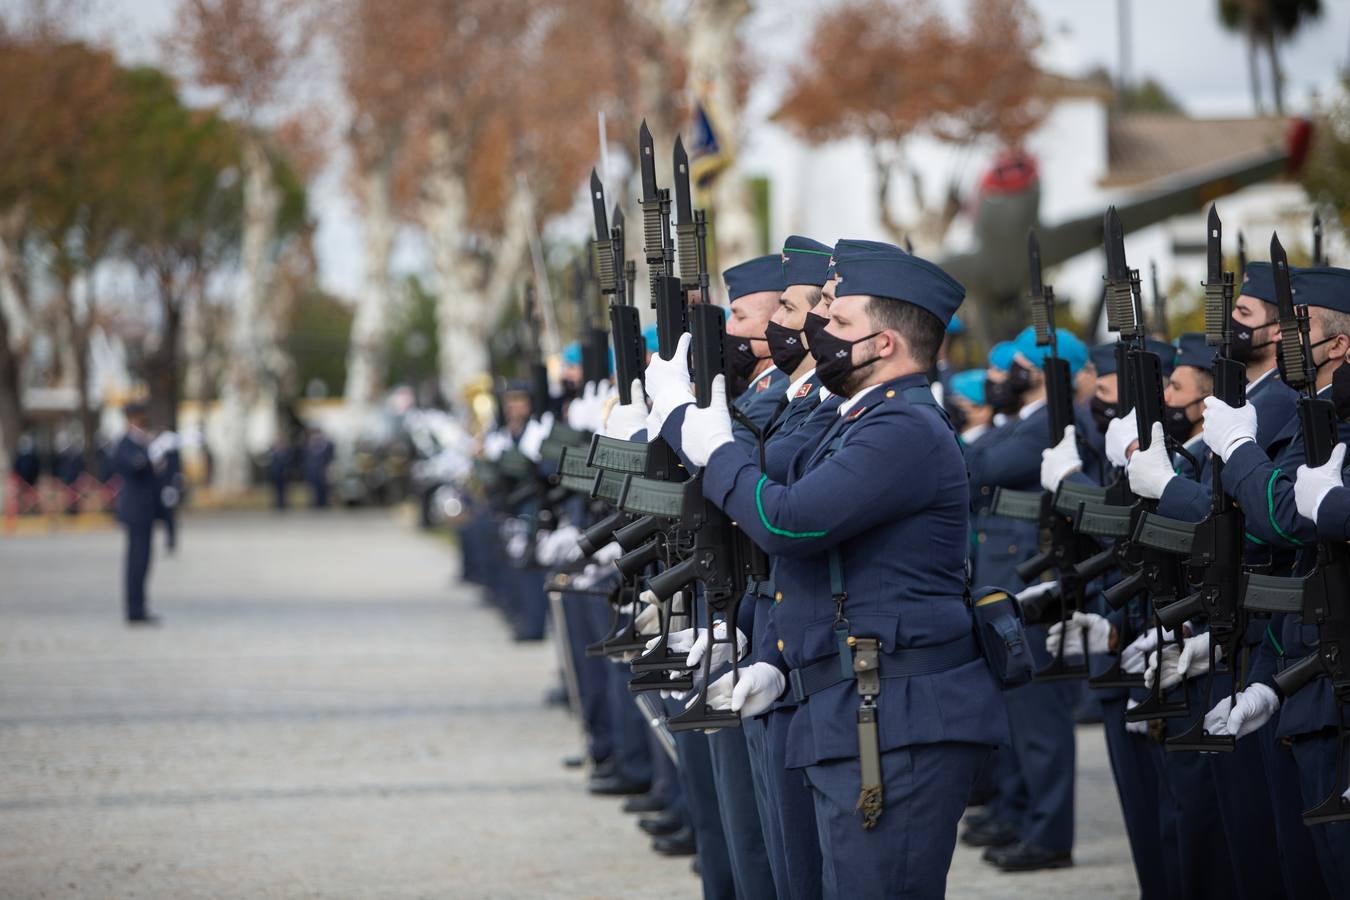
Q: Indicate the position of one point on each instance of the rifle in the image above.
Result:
(1159, 303)
(539, 392)
(624, 325)
(1242, 257)
(1323, 596)
(1064, 548)
(721, 557)
(1213, 545)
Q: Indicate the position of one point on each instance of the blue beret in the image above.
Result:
(571, 354)
(1001, 355)
(900, 276)
(1104, 358)
(763, 273)
(1193, 351)
(1070, 348)
(1259, 281)
(1324, 286)
(649, 335)
(969, 384)
(805, 261)
(851, 248)
(955, 326)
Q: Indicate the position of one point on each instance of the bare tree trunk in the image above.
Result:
(79, 346)
(885, 172)
(162, 365)
(712, 45)
(1254, 73)
(246, 355)
(1276, 71)
(11, 398)
(366, 348)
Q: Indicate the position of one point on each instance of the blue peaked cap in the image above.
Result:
(805, 261)
(1193, 351)
(852, 248)
(1001, 355)
(1104, 356)
(1259, 281)
(1324, 286)
(1070, 348)
(969, 384)
(897, 275)
(763, 273)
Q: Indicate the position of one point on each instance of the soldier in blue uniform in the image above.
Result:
(137, 504)
(870, 560)
(754, 289)
(1041, 713)
(1265, 489)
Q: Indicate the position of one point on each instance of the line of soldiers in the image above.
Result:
(762, 547)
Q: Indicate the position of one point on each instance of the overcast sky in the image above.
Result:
(1178, 42)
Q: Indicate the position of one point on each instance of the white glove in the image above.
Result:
(677, 641)
(626, 420)
(1151, 469)
(1315, 482)
(1060, 461)
(1120, 434)
(1168, 666)
(1194, 658)
(1216, 720)
(1097, 630)
(533, 437)
(168, 495)
(654, 423)
(1139, 728)
(721, 652)
(757, 687)
(1133, 657)
(668, 380)
(607, 554)
(585, 412)
(707, 429)
(1254, 708)
(494, 445)
(647, 621)
(1228, 427)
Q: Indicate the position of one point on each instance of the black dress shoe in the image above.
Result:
(555, 696)
(604, 768)
(1031, 858)
(681, 843)
(695, 866)
(143, 620)
(645, 803)
(978, 818)
(617, 786)
(991, 834)
(665, 823)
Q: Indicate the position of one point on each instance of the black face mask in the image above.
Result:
(1102, 413)
(785, 346)
(1340, 390)
(1317, 366)
(741, 359)
(834, 360)
(813, 325)
(1240, 346)
(1176, 424)
(1001, 395)
(1019, 379)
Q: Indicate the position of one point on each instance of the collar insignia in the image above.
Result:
(802, 391)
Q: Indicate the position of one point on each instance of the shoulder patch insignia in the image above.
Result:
(803, 391)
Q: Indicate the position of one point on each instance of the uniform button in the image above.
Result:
(778, 597)
(980, 537)
(1012, 548)
(780, 645)
(890, 394)
(984, 490)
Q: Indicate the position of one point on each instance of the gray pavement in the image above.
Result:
(325, 713)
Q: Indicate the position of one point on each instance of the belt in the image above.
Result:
(902, 663)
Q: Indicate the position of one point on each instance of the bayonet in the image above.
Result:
(686, 230)
(1293, 322)
(598, 208)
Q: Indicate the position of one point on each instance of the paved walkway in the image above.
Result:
(323, 714)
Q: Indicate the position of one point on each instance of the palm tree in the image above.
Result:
(1266, 23)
